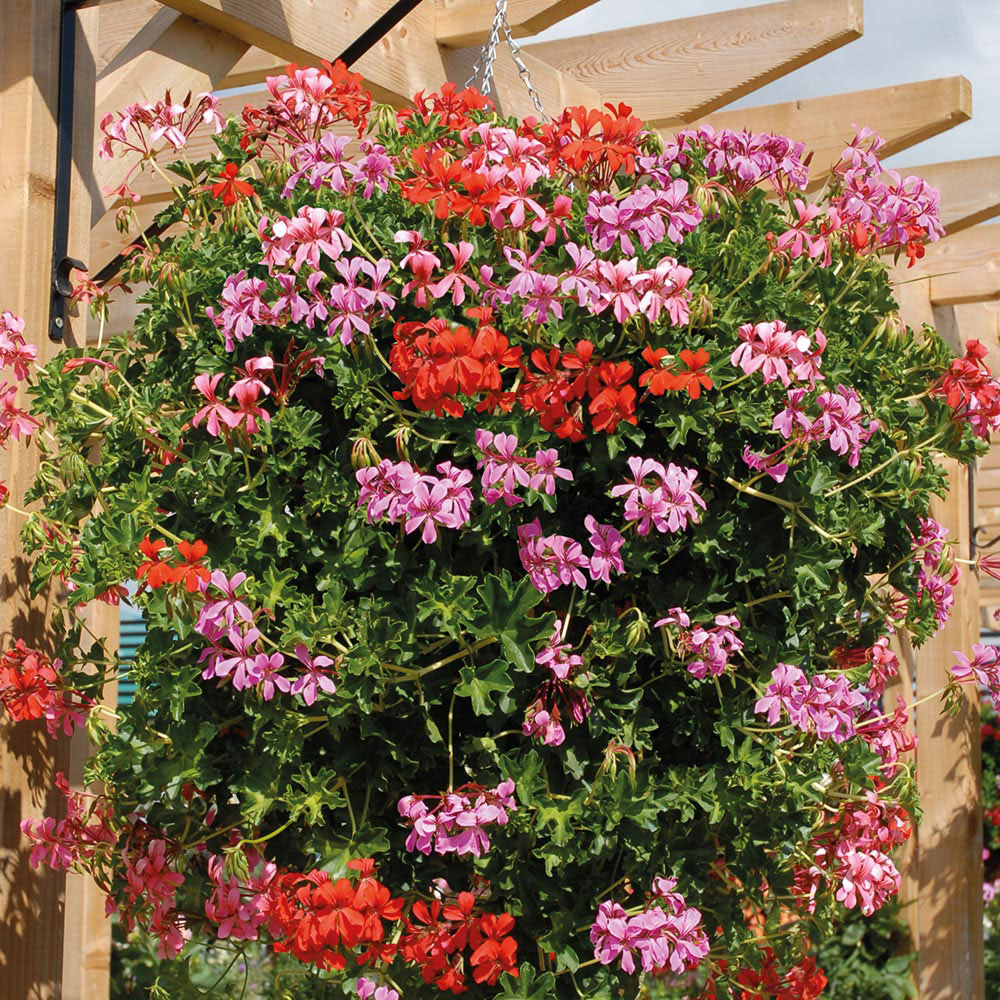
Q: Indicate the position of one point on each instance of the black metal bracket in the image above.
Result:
(62, 263)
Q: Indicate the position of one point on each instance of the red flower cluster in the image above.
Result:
(439, 934)
(562, 380)
(804, 981)
(157, 572)
(593, 144)
(691, 378)
(969, 388)
(320, 920)
(27, 682)
(988, 731)
(453, 189)
(992, 815)
(451, 106)
(436, 363)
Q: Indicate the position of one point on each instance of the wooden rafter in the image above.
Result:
(120, 22)
(460, 23)
(970, 189)
(405, 60)
(675, 71)
(964, 267)
(904, 115)
(172, 52)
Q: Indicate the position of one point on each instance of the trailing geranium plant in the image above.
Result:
(521, 515)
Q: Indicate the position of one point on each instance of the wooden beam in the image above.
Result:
(170, 53)
(950, 835)
(461, 23)
(970, 189)
(903, 115)
(675, 71)
(31, 931)
(122, 20)
(963, 268)
(405, 60)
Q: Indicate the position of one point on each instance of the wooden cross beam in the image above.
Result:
(406, 60)
(676, 71)
(964, 267)
(461, 23)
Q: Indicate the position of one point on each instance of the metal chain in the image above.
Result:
(484, 64)
(482, 70)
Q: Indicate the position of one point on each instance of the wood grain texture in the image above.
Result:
(904, 115)
(970, 189)
(122, 21)
(172, 52)
(950, 835)
(460, 23)
(675, 71)
(31, 902)
(963, 268)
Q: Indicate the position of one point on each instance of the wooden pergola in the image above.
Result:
(54, 939)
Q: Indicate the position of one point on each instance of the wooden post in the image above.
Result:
(950, 841)
(31, 903)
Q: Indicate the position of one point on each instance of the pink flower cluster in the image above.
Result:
(397, 492)
(59, 844)
(773, 349)
(218, 416)
(840, 423)
(368, 989)
(743, 159)
(668, 504)
(667, 934)
(712, 647)
(824, 705)
(138, 127)
(891, 208)
(553, 561)
(324, 163)
(559, 693)
(504, 471)
(152, 884)
(239, 910)
(983, 669)
(650, 213)
(457, 824)
(872, 209)
(888, 735)
(347, 307)
(15, 355)
(227, 622)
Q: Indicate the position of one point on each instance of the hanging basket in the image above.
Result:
(521, 514)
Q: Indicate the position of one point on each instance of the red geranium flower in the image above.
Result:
(229, 187)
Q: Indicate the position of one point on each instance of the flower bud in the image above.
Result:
(383, 119)
(652, 144)
(363, 452)
(702, 309)
(402, 437)
(705, 199)
(637, 629)
(892, 329)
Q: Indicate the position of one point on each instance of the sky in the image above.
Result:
(904, 41)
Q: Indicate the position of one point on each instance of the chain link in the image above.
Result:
(483, 67)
